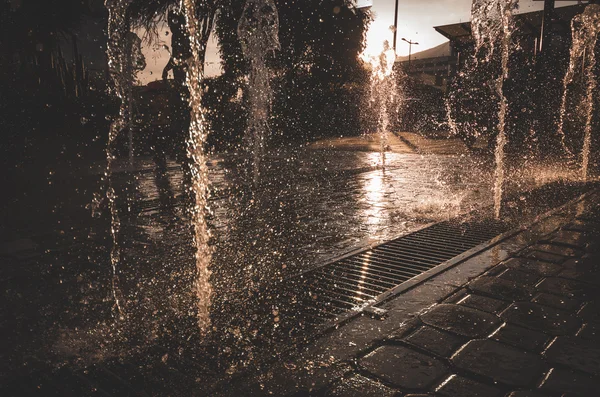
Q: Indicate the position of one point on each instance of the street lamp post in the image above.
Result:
(395, 25)
(410, 44)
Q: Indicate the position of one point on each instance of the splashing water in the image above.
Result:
(585, 28)
(198, 168)
(258, 31)
(117, 32)
(492, 21)
(383, 91)
(489, 22)
(450, 121)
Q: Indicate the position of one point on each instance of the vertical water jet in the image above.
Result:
(116, 54)
(492, 21)
(383, 91)
(258, 31)
(585, 28)
(198, 168)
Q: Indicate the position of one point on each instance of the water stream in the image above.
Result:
(585, 28)
(492, 23)
(117, 54)
(198, 168)
(383, 93)
(258, 30)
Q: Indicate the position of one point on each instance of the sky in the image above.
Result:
(416, 19)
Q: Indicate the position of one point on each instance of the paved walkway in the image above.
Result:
(521, 319)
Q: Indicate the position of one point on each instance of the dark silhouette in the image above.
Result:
(320, 79)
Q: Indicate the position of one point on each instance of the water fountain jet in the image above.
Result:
(258, 30)
(198, 134)
(492, 20)
(585, 29)
(383, 91)
(118, 29)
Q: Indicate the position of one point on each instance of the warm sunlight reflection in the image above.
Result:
(378, 32)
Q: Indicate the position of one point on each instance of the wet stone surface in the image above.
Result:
(544, 256)
(360, 386)
(557, 302)
(520, 278)
(572, 238)
(458, 386)
(586, 270)
(461, 320)
(404, 367)
(541, 318)
(538, 267)
(525, 394)
(575, 353)
(557, 250)
(483, 303)
(590, 332)
(521, 338)
(568, 288)
(591, 312)
(499, 362)
(438, 342)
(571, 383)
(500, 289)
(488, 361)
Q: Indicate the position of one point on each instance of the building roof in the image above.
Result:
(442, 50)
(528, 23)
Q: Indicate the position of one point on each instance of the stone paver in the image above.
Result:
(404, 367)
(558, 302)
(583, 271)
(483, 303)
(590, 332)
(591, 312)
(360, 386)
(461, 320)
(583, 227)
(533, 266)
(525, 394)
(572, 238)
(571, 383)
(557, 250)
(568, 288)
(519, 277)
(457, 386)
(499, 288)
(499, 362)
(544, 256)
(522, 338)
(541, 318)
(438, 342)
(576, 353)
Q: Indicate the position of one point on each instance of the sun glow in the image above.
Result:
(378, 32)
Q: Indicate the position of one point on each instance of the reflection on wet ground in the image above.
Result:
(308, 207)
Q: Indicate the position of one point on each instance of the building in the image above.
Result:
(435, 67)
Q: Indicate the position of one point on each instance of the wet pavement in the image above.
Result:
(308, 207)
(518, 319)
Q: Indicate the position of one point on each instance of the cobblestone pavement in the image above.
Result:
(528, 326)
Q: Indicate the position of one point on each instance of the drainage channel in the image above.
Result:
(325, 296)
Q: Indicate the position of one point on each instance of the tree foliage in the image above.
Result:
(320, 77)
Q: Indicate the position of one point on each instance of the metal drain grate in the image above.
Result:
(335, 289)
